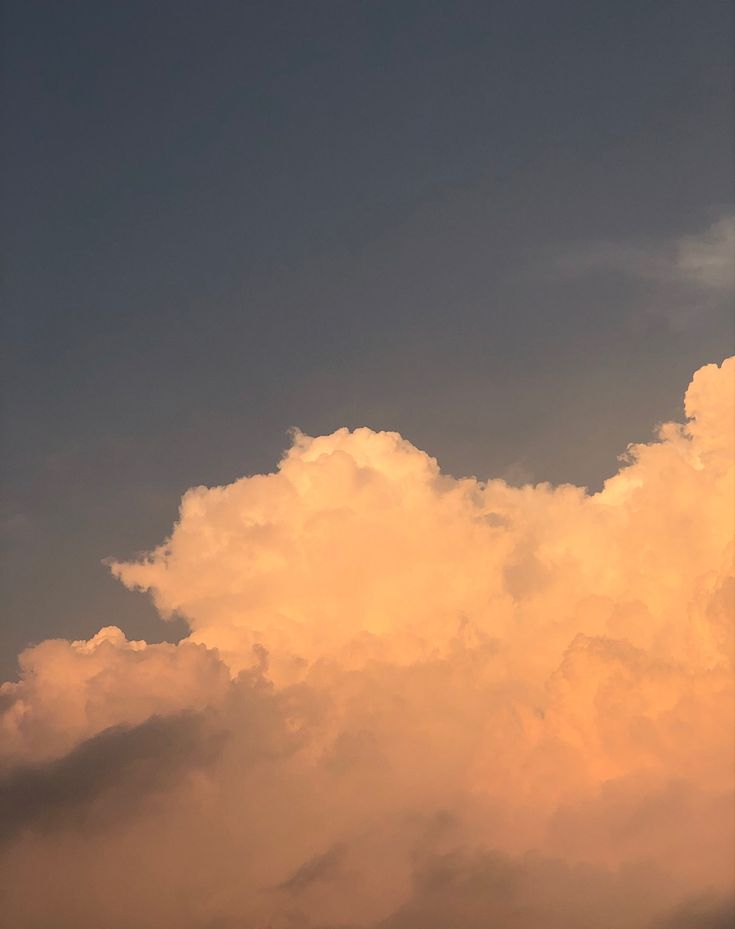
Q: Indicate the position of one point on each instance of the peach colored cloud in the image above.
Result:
(421, 702)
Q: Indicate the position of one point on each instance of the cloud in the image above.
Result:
(70, 691)
(703, 912)
(707, 259)
(704, 260)
(446, 702)
(321, 867)
(682, 276)
(489, 889)
(126, 762)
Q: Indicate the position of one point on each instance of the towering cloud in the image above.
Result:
(406, 701)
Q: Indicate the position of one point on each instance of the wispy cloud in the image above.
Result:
(683, 274)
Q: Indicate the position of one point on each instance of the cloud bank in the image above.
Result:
(407, 701)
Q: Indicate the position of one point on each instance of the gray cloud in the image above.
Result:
(120, 764)
(703, 260)
(679, 276)
(319, 868)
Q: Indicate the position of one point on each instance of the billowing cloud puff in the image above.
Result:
(70, 691)
(406, 700)
(358, 548)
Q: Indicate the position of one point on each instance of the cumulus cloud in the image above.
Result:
(405, 701)
(70, 691)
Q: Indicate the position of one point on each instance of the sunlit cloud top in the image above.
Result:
(406, 700)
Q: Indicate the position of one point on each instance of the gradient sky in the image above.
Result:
(223, 220)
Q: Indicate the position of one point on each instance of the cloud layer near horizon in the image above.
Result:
(407, 701)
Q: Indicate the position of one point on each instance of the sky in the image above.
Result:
(223, 221)
(429, 269)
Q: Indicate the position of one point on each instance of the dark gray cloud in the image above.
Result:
(122, 766)
(319, 868)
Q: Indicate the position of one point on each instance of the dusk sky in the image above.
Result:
(501, 231)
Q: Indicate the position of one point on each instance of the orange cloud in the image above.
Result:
(409, 701)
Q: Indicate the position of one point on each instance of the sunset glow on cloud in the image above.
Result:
(406, 701)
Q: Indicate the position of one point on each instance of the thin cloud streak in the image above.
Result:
(684, 276)
(704, 260)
